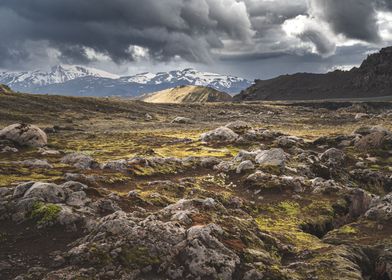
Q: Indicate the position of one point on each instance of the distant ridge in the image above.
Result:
(82, 81)
(372, 79)
(187, 94)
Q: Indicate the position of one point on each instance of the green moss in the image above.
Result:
(333, 263)
(290, 208)
(137, 257)
(287, 229)
(348, 230)
(45, 213)
(128, 144)
(7, 180)
(286, 220)
(115, 178)
(11, 174)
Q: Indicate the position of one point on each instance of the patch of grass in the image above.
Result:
(45, 213)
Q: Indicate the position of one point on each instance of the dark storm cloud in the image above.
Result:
(384, 4)
(188, 28)
(356, 19)
(323, 45)
(205, 31)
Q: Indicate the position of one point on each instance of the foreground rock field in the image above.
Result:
(110, 189)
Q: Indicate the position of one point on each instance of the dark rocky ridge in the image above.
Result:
(372, 79)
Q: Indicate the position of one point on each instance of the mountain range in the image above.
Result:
(372, 79)
(82, 81)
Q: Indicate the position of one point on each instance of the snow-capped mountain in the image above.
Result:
(58, 74)
(83, 81)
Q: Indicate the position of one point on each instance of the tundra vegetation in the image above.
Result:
(95, 188)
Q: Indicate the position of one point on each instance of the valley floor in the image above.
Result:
(285, 191)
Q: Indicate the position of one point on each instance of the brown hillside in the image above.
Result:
(187, 94)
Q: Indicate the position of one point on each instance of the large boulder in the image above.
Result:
(373, 138)
(273, 157)
(80, 161)
(219, 135)
(182, 120)
(245, 155)
(47, 192)
(380, 209)
(245, 166)
(289, 141)
(206, 257)
(333, 156)
(239, 126)
(366, 130)
(25, 135)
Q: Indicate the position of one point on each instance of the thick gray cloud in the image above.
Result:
(213, 32)
(188, 28)
(355, 19)
(384, 4)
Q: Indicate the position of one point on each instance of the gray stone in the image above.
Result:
(182, 120)
(273, 157)
(80, 161)
(47, 192)
(22, 188)
(325, 186)
(245, 155)
(206, 257)
(8, 149)
(209, 162)
(239, 126)
(289, 141)
(36, 163)
(380, 209)
(219, 135)
(25, 135)
(77, 199)
(333, 156)
(226, 166)
(245, 166)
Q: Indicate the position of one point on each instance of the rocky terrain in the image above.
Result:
(187, 94)
(110, 189)
(372, 79)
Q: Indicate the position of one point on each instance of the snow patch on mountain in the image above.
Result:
(58, 74)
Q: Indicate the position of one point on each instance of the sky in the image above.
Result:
(247, 38)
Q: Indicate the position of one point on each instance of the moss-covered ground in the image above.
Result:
(307, 228)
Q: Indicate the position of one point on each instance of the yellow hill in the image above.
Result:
(4, 89)
(187, 94)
